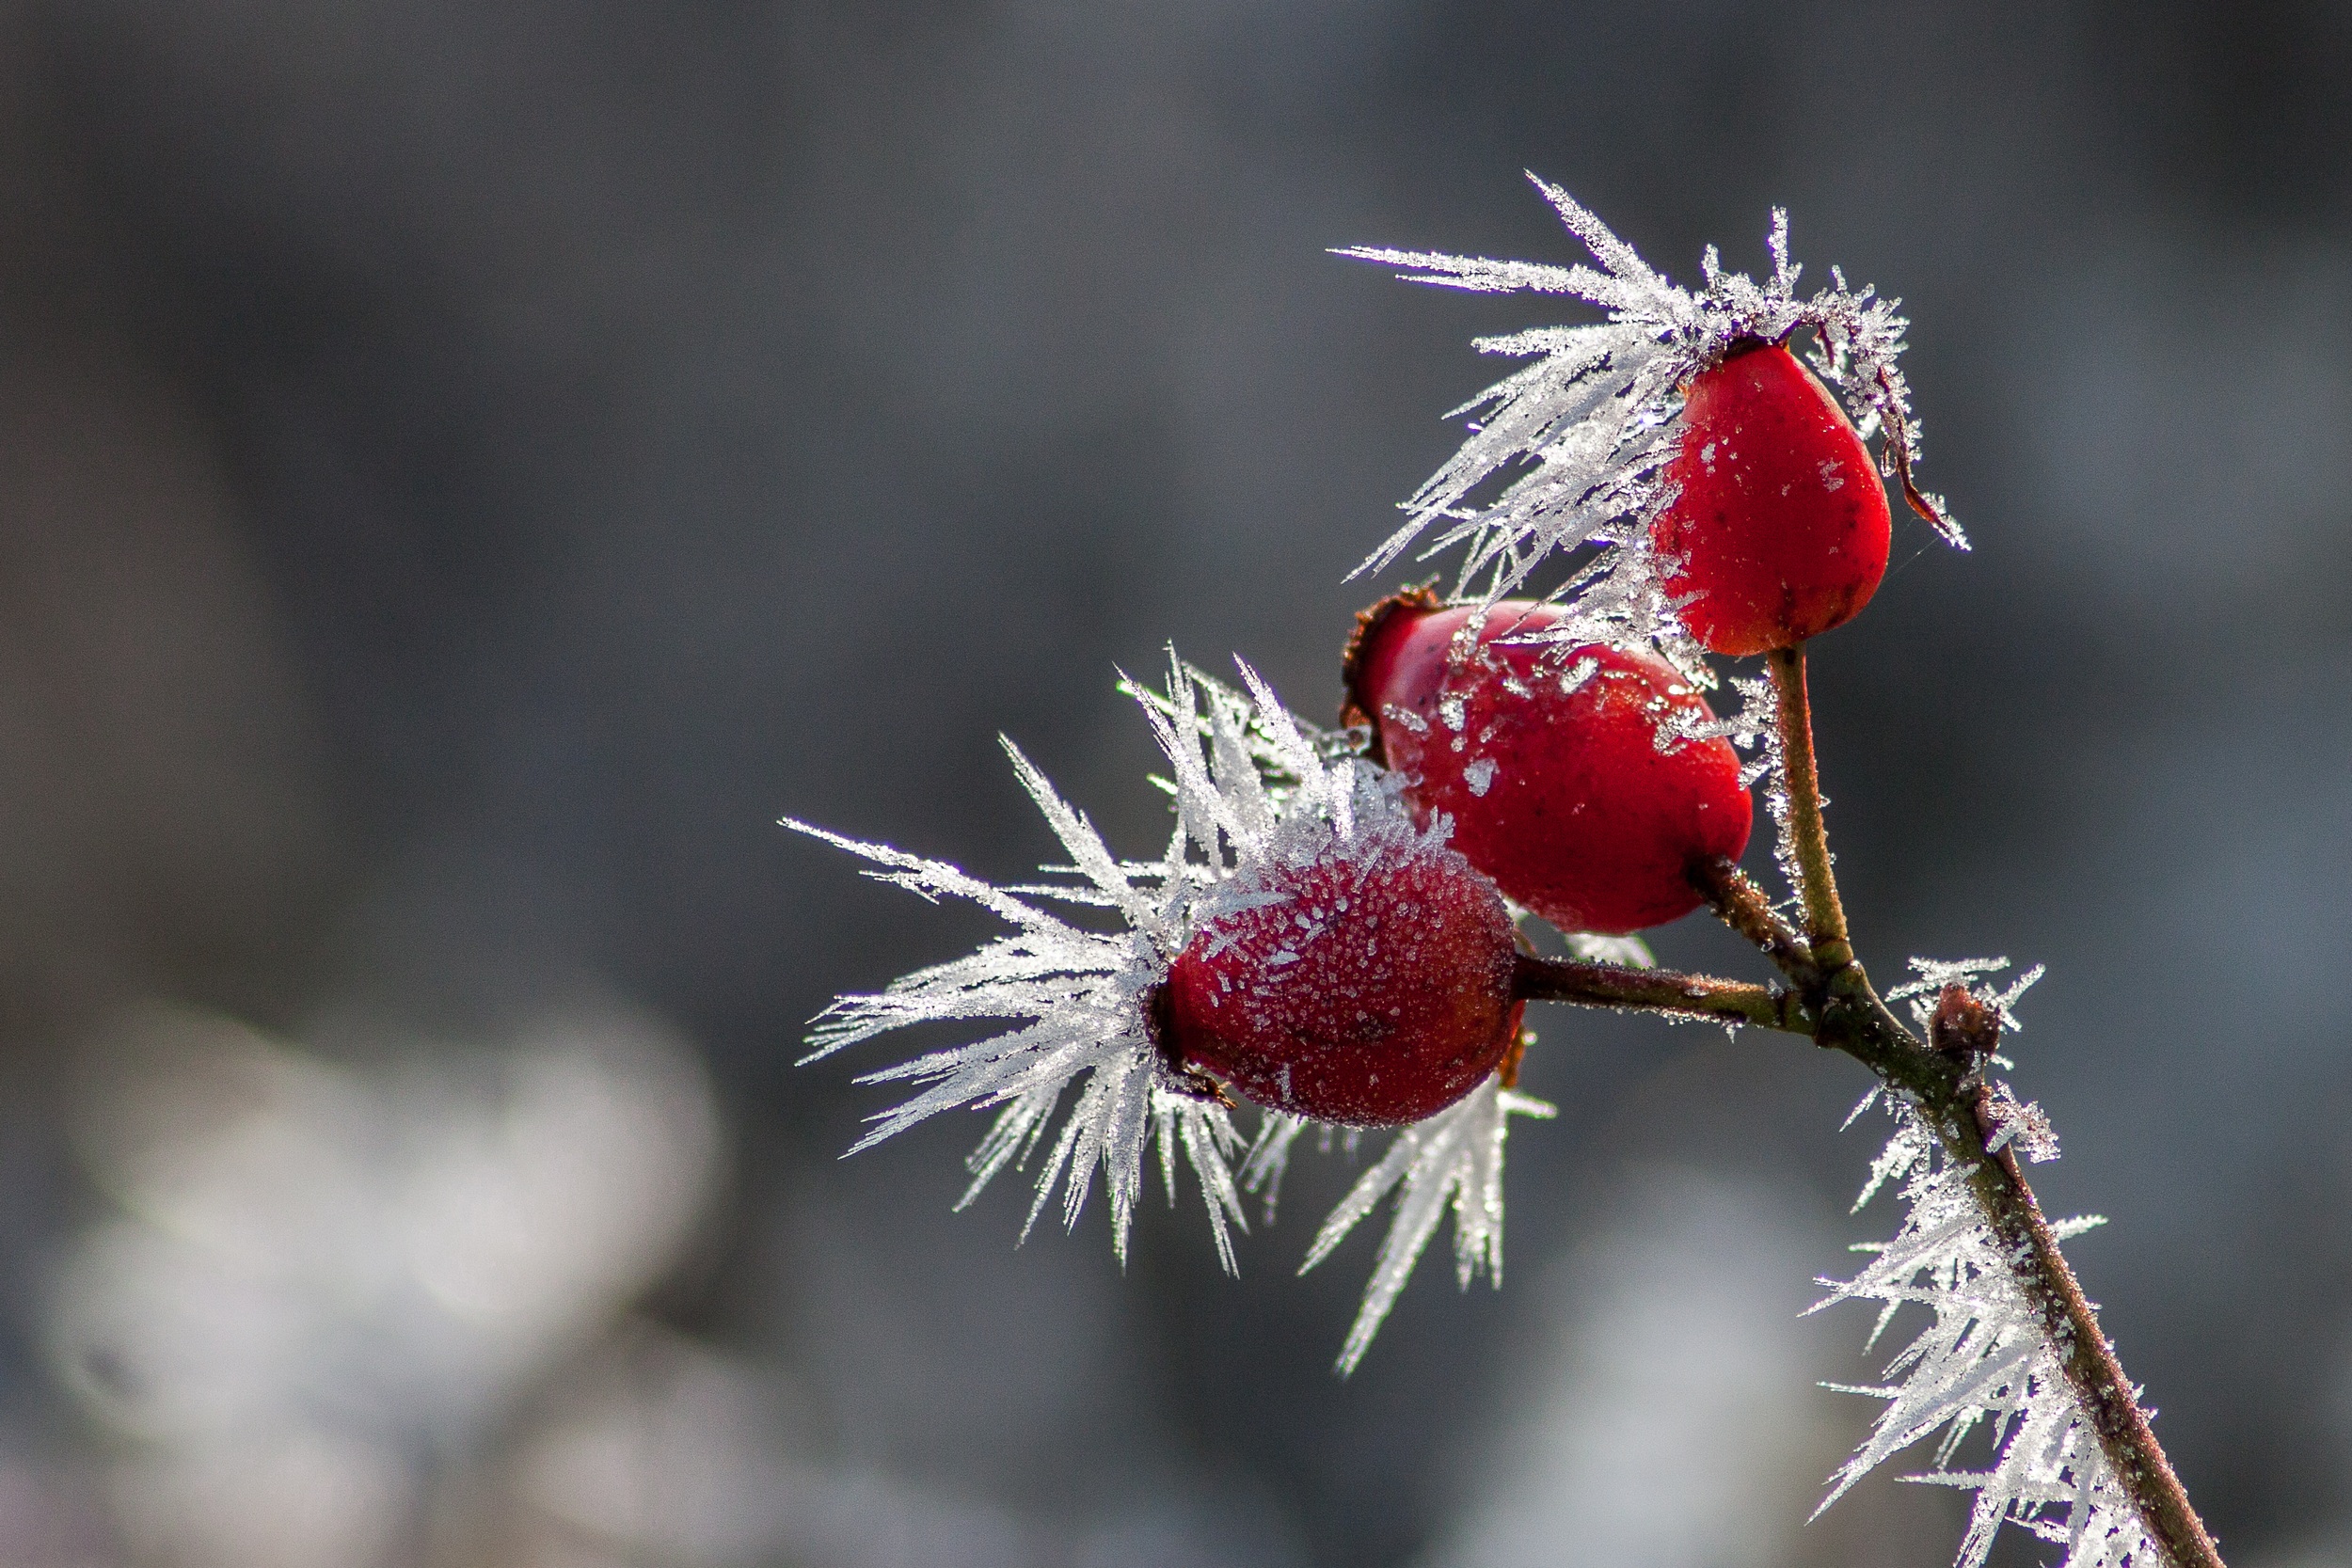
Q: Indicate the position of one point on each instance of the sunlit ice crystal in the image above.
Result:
(1453, 1161)
(1985, 1360)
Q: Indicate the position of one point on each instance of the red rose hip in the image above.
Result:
(1779, 530)
(1551, 767)
(1370, 990)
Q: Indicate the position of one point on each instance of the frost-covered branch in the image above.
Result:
(2014, 1345)
(1988, 1359)
(2015, 1342)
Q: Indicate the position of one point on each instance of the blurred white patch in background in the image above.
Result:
(670, 1453)
(663, 1451)
(355, 1317)
(324, 1291)
(1672, 1419)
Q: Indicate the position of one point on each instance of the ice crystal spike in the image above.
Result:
(1570, 452)
(1251, 786)
(1987, 1360)
(1454, 1159)
(1269, 1156)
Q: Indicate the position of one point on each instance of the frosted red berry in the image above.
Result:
(1550, 766)
(1370, 991)
(1780, 528)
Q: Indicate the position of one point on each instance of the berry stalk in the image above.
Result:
(1808, 839)
(1748, 910)
(1659, 990)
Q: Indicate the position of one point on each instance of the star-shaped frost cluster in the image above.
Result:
(1570, 452)
(1254, 791)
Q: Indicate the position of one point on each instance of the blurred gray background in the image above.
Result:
(465, 468)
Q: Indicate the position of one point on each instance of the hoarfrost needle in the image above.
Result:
(1988, 1360)
(1455, 1159)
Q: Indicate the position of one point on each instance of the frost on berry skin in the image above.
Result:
(1573, 451)
(1059, 1006)
(1365, 992)
(1779, 529)
(1570, 774)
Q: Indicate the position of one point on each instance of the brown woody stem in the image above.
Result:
(1746, 907)
(1659, 990)
(1831, 999)
(1945, 1087)
(1825, 916)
